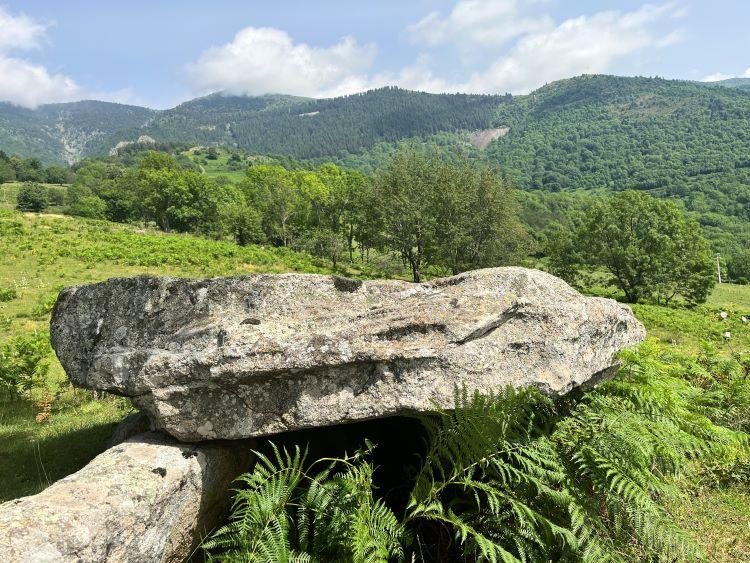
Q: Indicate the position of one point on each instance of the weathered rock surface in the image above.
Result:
(254, 355)
(147, 499)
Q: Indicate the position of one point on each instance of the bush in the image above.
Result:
(7, 294)
(56, 196)
(24, 360)
(90, 206)
(32, 197)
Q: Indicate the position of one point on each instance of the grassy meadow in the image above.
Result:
(54, 429)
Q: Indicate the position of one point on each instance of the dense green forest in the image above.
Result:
(306, 128)
(590, 135)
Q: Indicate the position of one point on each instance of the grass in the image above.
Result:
(218, 167)
(40, 255)
(730, 296)
(9, 191)
(719, 519)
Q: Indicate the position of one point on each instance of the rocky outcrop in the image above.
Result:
(147, 499)
(255, 355)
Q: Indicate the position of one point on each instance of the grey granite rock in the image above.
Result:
(147, 499)
(254, 355)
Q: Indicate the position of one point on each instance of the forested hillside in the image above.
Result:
(683, 140)
(741, 83)
(312, 128)
(64, 133)
(299, 127)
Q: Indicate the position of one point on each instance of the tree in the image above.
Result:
(649, 247)
(738, 267)
(406, 200)
(271, 190)
(58, 175)
(32, 197)
(90, 206)
(456, 215)
(479, 218)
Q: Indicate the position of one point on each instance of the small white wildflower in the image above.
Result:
(744, 319)
(727, 335)
(723, 314)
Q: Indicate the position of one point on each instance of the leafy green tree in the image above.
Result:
(58, 175)
(478, 216)
(90, 206)
(236, 218)
(405, 194)
(271, 189)
(738, 266)
(7, 172)
(649, 247)
(563, 254)
(451, 214)
(32, 197)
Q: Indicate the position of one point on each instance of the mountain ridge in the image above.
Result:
(313, 128)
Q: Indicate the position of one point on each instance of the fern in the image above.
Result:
(512, 476)
(288, 513)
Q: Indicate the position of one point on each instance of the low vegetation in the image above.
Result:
(47, 428)
(518, 477)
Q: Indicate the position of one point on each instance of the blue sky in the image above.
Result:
(161, 53)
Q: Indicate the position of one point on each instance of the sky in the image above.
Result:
(161, 53)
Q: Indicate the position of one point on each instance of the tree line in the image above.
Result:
(450, 216)
(434, 215)
(17, 169)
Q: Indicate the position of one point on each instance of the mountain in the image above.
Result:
(300, 127)
(57, 133)
(740, 83)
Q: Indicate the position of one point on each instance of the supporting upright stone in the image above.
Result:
(149, 498)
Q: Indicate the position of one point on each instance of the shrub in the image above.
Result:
(90, 206)
(24, 361)
(7, 294)
(32, 197)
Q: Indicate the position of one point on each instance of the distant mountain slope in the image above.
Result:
(306, 128)
(589, 132)
(300, 127)
(610, 132)
(740, 83)
(64, 132)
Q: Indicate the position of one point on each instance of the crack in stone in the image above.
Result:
(489, 328)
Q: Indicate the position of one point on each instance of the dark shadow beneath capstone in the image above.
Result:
(399, 446)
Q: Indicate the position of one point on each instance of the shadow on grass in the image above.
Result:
(34, 455)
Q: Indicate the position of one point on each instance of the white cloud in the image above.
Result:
(29, 85)
(487, 23)
(524, 51)
(23, 82)
(716, 77)
(19, 32)
(262, 60)
(586, 44)
(672, 38)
